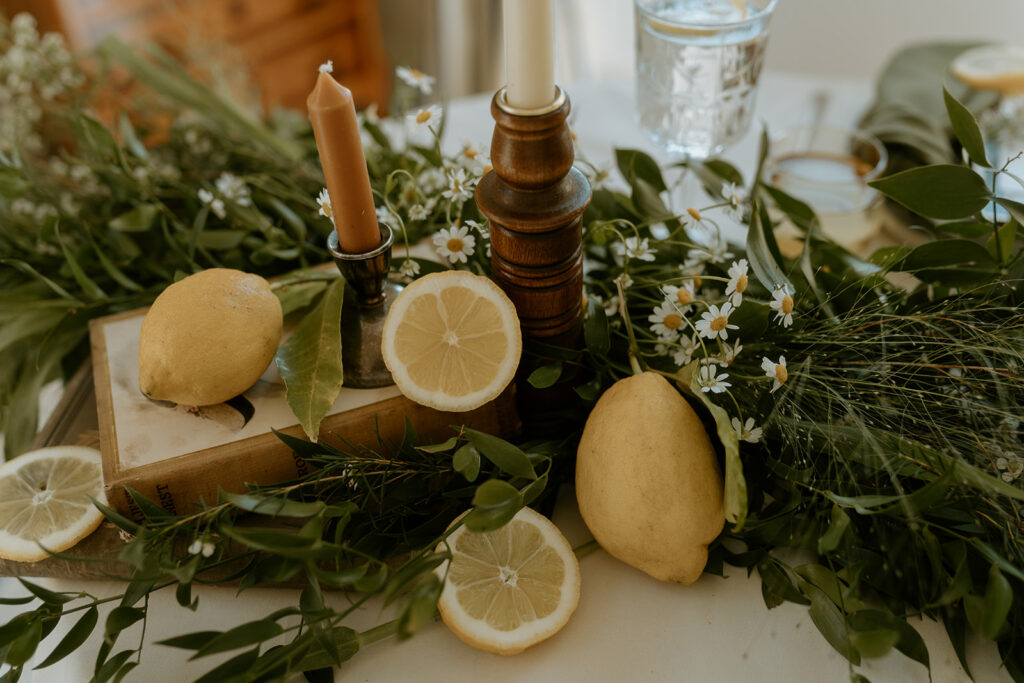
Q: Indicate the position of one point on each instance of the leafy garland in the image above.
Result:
(870, 433)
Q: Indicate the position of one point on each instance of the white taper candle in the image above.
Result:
(529, 53)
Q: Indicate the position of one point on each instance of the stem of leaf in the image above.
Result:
(634, 361)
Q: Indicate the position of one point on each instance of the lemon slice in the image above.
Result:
(992, 67)
(451, 341)
(510, 588)
(44, 500)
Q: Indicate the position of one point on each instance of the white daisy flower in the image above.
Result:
(611, 307)
(684, 354)
(460, 188)
(738, 281)
(782, 303)
(735, 196)
(710, 382)
(428, 116)
(661, 350)
(454, 243)
(216, 204)
(415, 78)
(384, 214)
(478, 227)
(666, 322)
(634, 248)
(431, 180)
(233, 188)
(324, 201)
(714, 322)
(718, 251)
(729, 353)
(775, 371)
(473, 160)
(420, 212)
(681, 297)
(1011, 466)
(409, 269)
(747, 431)
(625, 280)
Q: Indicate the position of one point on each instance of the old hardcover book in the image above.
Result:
(181, 457)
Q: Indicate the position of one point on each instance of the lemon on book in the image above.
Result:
(992, 67)
(510, 588)
(44, 499)
(452, 341)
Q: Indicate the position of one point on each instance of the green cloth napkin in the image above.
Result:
(909, 115)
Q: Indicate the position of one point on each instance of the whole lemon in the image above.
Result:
(647, 479)
(208, 337)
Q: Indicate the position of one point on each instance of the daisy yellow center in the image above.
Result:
(694, 213)
(454, 244)
(781, 373)
(416, 73)
(326, 207)
(683, 296)
(741, 283)
(719, 323)
(672, 321)
(470, 153)
(423, 116)
(787, 304)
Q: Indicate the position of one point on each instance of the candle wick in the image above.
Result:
(327, 67)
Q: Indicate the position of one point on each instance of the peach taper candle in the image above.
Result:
(333, 115)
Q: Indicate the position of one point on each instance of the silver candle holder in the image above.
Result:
(368, 296)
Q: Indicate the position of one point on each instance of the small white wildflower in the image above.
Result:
(782, 303)
(729, 353)
(384, 214)
(141, 174)
(735, 196)
(747, 431)
(415, 78)
(611, 307)
(323, 200)
(327, 67)
(635, 248)
(714, 322)
(429, 116)
(666, 322)
(44, 211)
(738, 281)
(409, 269)
(233, 188)
(419, 212)
(454, 243)
(1011, 466)
(718, 251)
(195, 547)
(68, 204)
(684, 354)
(681, 297)
(775, 371)
(625, 280)
(459, 187)
(480, 229)
(431, 180)
(473, 160)
(660, 350)
(710, 382)
(22, 207)
(216, 204)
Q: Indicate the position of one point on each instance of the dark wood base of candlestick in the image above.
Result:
(535, 200)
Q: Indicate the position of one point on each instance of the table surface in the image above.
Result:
(627, 626)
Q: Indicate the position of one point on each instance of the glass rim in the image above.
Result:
(851, 134)
(760, 14)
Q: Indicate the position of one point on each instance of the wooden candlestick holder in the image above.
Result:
(534, 200)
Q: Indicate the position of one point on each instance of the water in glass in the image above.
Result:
(698, 62)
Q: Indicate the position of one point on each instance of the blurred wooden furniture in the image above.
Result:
(281, 42)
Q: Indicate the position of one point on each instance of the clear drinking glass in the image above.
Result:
(697, 67)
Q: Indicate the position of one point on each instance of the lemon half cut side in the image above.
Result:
(992, 67)
(452, 341)
(509, 588)
(44, 500)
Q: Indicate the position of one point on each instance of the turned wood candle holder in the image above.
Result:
(534, 200)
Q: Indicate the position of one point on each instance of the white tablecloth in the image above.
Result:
(628, 627)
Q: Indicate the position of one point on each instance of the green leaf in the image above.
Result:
(112, 666)
(47, 596)
(242, 635)
(117, 518)
(235, 666)
(943, 191)
(495, 503)
(634, 164)
(546, 375)
(776, 583)
(875, 643)
(951, 261)
(967, 229)
(830, 622)
(89, 288)
(275, 506)
(74, 638)
(1000, 245)
(220, 240)
(190, 641)
(595, 330)
(763, 253)
(138, 219)
(12, 185)
(297, 296)
(310, 362)
(119, 619)
(421, 608)
(372, 583)
(534, 489)
(965, 127)
(1015, 209)
(735, 483)
(466, 462)
(798, 212)
(839, 522)
(507, 457)
(24, 646)
(151, 510)
(13, 629)
(987, 614)
(440, 447)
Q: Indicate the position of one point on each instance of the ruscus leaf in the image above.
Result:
(943, 191)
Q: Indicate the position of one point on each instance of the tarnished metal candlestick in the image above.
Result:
(535, 200)
(368, 295)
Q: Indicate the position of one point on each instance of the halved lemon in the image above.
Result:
(44, 499)
(510, 588)
(992, 67)
(452, 341)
